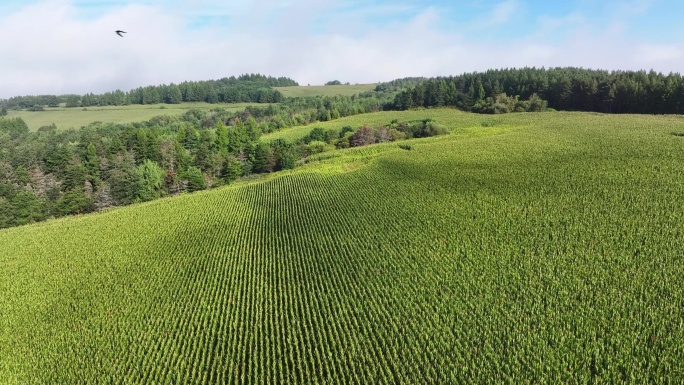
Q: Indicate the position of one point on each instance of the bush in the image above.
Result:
(434, 129)
(331, 134)
(343, 142)
(316, 147)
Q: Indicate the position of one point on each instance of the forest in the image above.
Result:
(248, 88)
(567, 89)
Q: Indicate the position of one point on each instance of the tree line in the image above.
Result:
(248, 88)
(570, 89)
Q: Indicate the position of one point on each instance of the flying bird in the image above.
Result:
(119, 32)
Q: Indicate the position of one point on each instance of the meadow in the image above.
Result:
(306, 91)
(522, 248)
(65, 118)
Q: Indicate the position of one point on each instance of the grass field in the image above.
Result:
(545, 248)
(65, 118)
(304, 91)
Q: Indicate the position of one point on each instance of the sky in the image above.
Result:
(69, 46)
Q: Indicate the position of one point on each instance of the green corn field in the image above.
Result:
(526, 248)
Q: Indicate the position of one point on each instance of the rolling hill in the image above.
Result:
(540, 248)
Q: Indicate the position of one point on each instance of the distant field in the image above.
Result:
(349, 90)
(65, 118)
(531, 249)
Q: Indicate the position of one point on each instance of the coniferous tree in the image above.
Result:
(195, 179)
(263, 158)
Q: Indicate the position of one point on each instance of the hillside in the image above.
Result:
(540, 247)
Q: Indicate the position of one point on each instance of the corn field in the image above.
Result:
(547, 251)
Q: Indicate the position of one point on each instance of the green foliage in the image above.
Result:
(124, 181)
(22, 208)
(263, 160)
(317, 134)
(316, 147)
(151, 181)
(21, 176)
(398, 84)
(73, 101)
(91, 163)
(74, 201)
(222, 139)
(345, 130)
(74, 176)
(15, 127)
(503, 104)
(286, 154)
(232, 169)
(238, 138)
(195, 179)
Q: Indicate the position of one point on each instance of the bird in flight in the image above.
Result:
(119, 32)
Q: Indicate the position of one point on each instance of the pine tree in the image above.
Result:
(92, 165)
(232, 169)
(222, 139)
(195, 179)
(263, 158)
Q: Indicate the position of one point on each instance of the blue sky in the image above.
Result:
(65, 46)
